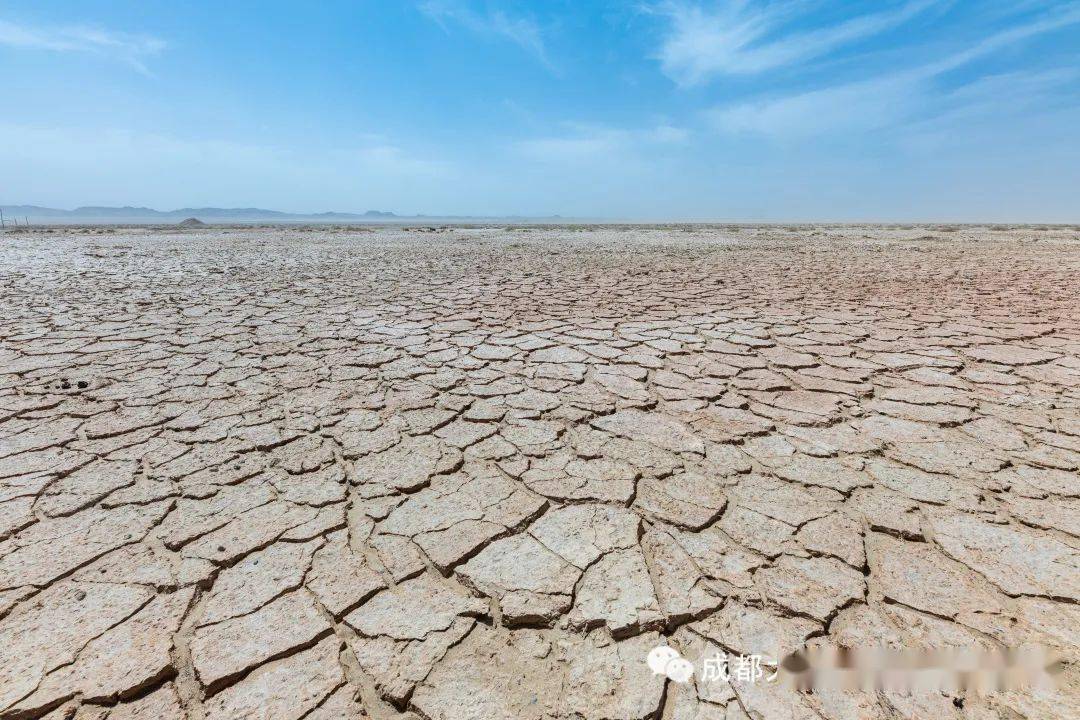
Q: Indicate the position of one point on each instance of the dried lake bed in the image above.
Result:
(480, 472)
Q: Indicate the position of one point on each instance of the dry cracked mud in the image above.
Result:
(479, 473)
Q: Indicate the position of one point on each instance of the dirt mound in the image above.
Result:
(192, 222)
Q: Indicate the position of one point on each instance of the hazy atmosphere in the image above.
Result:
(918, 110)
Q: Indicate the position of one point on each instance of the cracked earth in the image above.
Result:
(480, 473)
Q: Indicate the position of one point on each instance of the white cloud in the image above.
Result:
(522, 31)
(1031, 95)
(1069, 14)
(586, 142)
(132, 49)
(561, 149)
(883, 101)
(391, 160)
(854, 106)
(739, 37)
(669, 134)
(75, 166)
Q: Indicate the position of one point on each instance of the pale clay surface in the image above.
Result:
(479, 473)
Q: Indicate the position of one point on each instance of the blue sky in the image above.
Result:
(666, 109)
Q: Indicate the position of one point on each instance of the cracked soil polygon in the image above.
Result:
(322, 473)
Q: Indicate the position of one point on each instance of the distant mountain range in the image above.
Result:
(95, 213)
(204, 213)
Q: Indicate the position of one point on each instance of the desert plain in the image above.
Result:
(460, 473)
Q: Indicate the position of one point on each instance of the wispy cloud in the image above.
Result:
(131, 49)
(883, 101)
(384, 159)
(739, 37)
(1030, 94)
(852, 106)
(154, 168)
(586, 142)
(522, 31)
